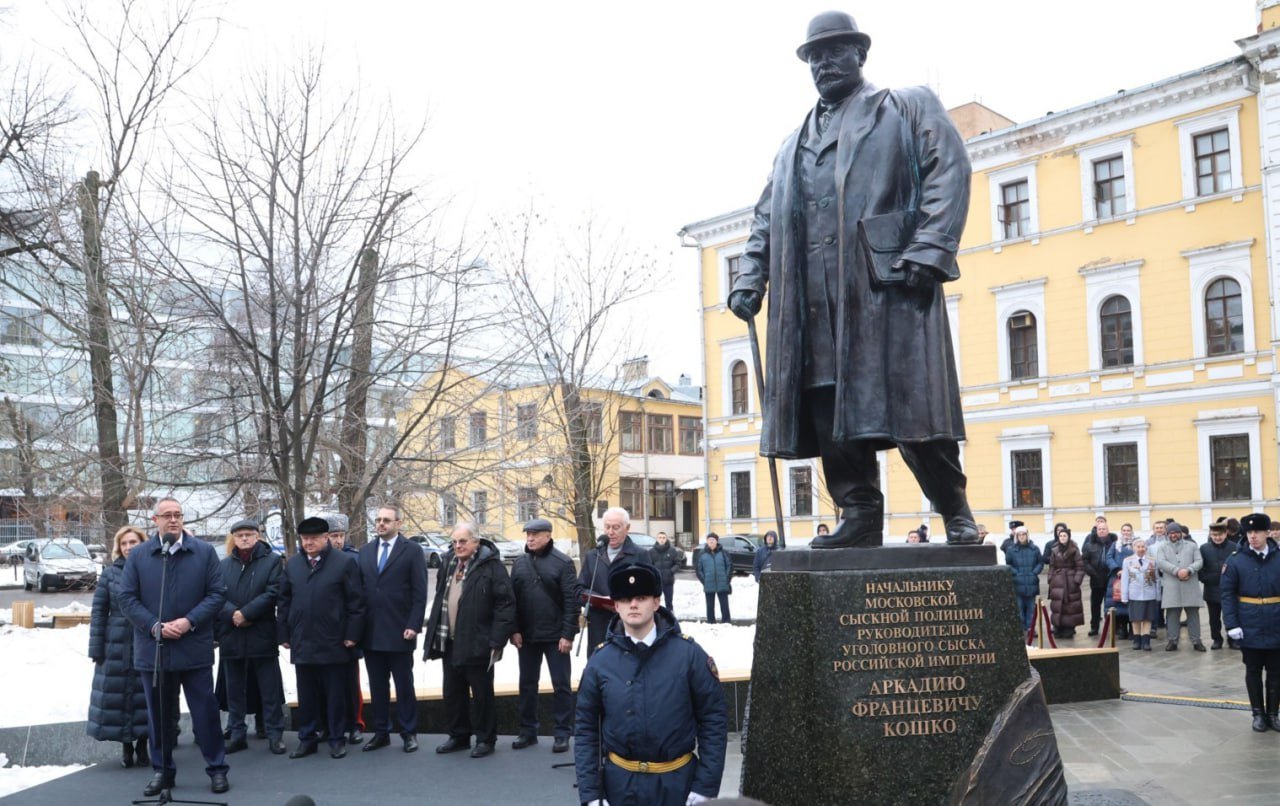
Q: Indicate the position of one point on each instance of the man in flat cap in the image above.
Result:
(545, 586)
(648, 698)
(853, 237)
(393, 574)
(1180, 562)
(1251, 611)
(321, 618)
(338, 526)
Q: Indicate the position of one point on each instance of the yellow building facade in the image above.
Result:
(1113, 322)
(498, 455)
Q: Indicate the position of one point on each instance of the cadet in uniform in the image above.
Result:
(1251, 612)
(649, 697)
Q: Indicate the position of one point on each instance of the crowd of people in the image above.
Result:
(1161, 582)
(331, 606)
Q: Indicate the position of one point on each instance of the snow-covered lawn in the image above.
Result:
(15, 779)
(58, 660)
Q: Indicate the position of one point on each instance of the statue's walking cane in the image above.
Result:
(773, 462)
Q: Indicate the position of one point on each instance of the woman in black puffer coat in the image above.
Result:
(117, 705)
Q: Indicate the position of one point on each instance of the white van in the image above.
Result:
(59, 564)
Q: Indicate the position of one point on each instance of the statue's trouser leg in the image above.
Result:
(852, 476)
(936, 465)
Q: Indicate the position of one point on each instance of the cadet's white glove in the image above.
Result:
(1235, 634)
(695, 798)
(598, 802)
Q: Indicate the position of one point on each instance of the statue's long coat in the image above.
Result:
(895, 370)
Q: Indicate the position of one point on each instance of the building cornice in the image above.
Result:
(717, 230)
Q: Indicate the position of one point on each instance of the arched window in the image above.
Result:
(738, 386)
(1116, 323)
(1022, 346)
(1223, 317)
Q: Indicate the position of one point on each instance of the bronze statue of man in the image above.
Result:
(853, 237)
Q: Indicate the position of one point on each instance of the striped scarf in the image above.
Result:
(458, 575)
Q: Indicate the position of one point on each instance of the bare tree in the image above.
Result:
(571, 296)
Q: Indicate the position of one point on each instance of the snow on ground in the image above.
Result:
(15, 778)
(56, 660)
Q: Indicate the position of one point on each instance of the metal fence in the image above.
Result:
(15, 529)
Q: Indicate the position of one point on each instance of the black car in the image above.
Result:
(741, 550)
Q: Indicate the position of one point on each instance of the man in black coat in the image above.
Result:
(615, 549)
(321, 618)
(472, 619)
(546, 593)
(852, 239)
(1094, 552)
(393, 573)
(246, 632)
(667, 557)
(338, 525)
(172, 590)
(1215, 553)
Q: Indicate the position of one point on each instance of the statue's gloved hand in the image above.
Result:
(744, 303)
(919, 277)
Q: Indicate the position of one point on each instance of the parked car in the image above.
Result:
(741, 550)
(58, 564)
(508, 550)
(434, 545)
(17, 547)
(642, 540)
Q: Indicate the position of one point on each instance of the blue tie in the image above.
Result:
(382, 558)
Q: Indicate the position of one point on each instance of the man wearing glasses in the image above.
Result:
(172, 589)
(394, 576)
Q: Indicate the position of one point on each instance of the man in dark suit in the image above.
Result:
(616, 549)
(393, 571)
(853, 237)
(321, 618)
(178, 604)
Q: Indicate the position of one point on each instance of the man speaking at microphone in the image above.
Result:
(616, 550)
(178, 599)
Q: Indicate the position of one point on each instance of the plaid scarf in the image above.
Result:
(458, 575)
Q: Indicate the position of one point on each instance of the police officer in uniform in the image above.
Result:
(1251, 612)
(649, 697)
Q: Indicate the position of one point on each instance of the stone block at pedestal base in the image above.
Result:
(880, 685)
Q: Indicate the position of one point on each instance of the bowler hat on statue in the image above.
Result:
(832, 25)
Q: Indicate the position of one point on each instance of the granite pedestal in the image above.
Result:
(895, 675)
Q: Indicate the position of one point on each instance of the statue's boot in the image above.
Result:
(853, 479)
(861, 526)
(936, 465)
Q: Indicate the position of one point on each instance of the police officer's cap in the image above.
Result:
(246, 523)
(630, 581)
(538, 525)
(313, 526)
(338, 523)
(1257, 522)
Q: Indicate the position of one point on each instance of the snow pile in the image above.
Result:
(15, 779)
(690, 603)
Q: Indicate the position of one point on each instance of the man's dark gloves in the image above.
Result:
(744, 303)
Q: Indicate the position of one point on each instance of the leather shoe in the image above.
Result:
(159, 783)
(379, 741)
(561, 745)
(338, 752)
(962, 531)
(303, 750)
(411, 743)
(1259, 724)
(1217, 644)
(454, 745)
(1197, 646)
(237, 745)
(481, 750)
(218, 783)
(522, 742)
(355, 737)
(276, 746)
(1172, 646)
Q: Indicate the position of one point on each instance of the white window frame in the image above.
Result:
(1119, 431)
(1100, 284)
(1187, 131)
(731, 352)
(1123, 148)
(729, 469)
(815, 479)
(1036, 437)
(1209, 264)
(1005, 176)
(1224, 422)
(723, 255)
(1010, 299)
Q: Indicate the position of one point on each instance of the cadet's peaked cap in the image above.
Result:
(246, 523)
(1257, 522)
(338, 523)
(832, 25)
(639, 579)
(538, 525)
(313, 526)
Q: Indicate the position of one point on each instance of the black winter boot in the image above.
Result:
(126, 755)
(142, 753)
(1260, 723)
